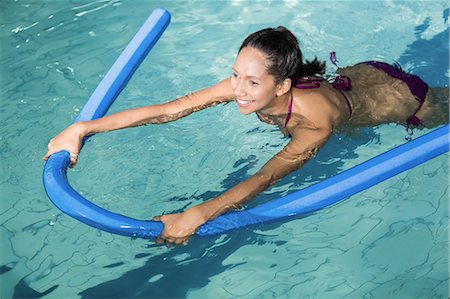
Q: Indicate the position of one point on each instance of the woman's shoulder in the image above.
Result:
(315, 106)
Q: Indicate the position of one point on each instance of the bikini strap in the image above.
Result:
(288, 117)
(311, 83)
(333, 58)
(342, 83)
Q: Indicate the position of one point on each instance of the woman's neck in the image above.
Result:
(279, 106)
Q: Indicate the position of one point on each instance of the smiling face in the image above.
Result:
(254, 88)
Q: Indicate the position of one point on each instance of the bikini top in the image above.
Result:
(341, 83)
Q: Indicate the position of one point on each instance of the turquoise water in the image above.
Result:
(391, 241)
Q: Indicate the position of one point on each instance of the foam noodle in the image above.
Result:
(310, 199)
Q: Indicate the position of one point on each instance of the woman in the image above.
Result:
(269, 79)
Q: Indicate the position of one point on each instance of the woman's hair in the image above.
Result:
(281, 48)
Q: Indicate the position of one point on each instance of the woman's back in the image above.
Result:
(377, 97)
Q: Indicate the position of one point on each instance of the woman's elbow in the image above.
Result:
(264, 178)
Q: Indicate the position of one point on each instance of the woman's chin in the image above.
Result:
(245, 111)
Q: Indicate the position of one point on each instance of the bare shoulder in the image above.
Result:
(315, 107)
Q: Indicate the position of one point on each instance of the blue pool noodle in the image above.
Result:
(125, 66)
(308, 200)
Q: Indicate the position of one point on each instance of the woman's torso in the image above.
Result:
(375, 98)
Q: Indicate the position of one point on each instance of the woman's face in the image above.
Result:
(253, 87)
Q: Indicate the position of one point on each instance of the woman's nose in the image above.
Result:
(239, 91)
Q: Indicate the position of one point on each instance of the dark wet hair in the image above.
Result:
(281, 48)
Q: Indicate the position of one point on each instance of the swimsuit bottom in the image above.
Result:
(416, 85)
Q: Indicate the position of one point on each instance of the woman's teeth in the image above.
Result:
(244, 102)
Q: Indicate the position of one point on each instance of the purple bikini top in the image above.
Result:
(341, 83)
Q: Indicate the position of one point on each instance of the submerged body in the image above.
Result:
(380, 98)
(374, 98)
(269, 79)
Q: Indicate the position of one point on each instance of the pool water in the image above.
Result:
(390, 241)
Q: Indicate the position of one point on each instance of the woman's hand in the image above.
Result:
(179, 228)
(69, 139)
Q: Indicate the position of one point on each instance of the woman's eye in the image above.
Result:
(254, 83)
(234, 75)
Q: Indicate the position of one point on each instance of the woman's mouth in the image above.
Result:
(244, 103)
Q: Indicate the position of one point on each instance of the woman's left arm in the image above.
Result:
(305, 143)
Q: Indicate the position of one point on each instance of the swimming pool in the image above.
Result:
(390, 241)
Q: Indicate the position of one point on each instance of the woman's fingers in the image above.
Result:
(178, 229)
(168, 241)
(182, 241)
(70, 140)
(73, 160)
(48, 153)
(50, 150)
(45, 157)
(163, 238)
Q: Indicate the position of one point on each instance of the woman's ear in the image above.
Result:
(284, 86)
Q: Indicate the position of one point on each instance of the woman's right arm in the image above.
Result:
(71, 138)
